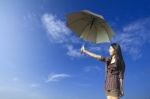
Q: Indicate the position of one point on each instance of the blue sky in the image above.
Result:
(40, 57)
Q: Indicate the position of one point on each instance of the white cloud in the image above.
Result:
(56, 28)
(133, 36)
(56, 77)
(59, 33)
(73, 52)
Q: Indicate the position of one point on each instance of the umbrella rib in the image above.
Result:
(87, 34)
(91, 25)
(106, 30)
(85, 27)
(96, 33)
(107, 33)
(77, 20)
(92, 22)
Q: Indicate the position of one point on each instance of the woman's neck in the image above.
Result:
(113, 59)
(113, 56)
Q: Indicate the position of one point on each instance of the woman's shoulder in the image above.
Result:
(106, 58)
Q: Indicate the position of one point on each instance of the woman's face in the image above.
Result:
(111, 50)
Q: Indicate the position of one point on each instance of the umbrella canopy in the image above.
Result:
(90, 26)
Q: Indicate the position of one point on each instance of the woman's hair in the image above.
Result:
(119, 56)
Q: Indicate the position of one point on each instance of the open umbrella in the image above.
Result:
(90, 26)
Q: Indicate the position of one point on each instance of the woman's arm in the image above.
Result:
(121, 87)
(99, 57)
(91, 54)
(121, 83)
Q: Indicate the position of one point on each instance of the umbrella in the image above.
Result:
(90, 26)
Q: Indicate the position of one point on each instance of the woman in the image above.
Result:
(115, 68)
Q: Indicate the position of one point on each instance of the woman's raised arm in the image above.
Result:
(83, 50)
(99, 57)
(92, 54)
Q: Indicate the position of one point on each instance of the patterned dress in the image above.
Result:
(113, 74)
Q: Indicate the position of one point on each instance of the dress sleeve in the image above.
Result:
(104, 59)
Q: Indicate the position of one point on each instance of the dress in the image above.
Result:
(113, 75)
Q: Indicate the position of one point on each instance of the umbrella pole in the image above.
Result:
(83, 44)
(111, 42)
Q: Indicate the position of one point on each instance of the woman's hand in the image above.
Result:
(82, 49)
(122, 92)
(121, 87)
